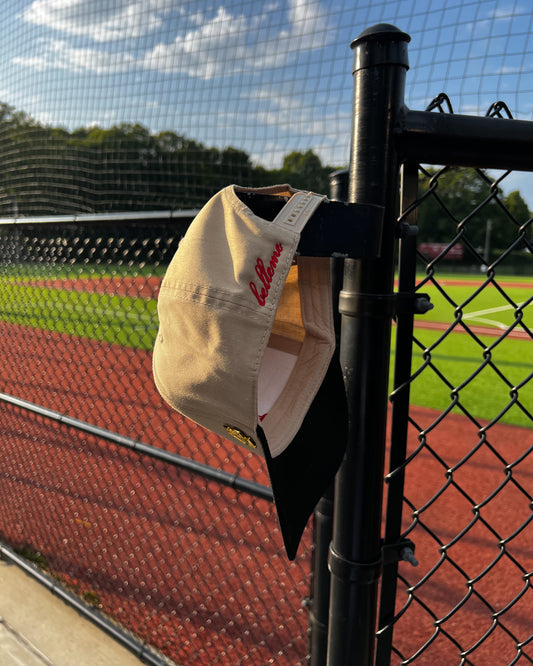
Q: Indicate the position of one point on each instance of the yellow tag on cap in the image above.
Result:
(241, 436)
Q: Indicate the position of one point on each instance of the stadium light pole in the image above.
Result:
(366, 304)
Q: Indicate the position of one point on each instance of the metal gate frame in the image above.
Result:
(389, 141)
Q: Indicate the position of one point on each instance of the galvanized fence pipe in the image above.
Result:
(366, 304)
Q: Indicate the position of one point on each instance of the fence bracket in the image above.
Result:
(355, 304)
(336, 228)
(403, 550)
(353, 572)
(406, 230)
(412, 303)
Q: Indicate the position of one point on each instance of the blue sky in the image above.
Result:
(267, 77)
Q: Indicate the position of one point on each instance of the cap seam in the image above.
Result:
(210, 298)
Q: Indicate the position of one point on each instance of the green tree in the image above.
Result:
(301, 170)
(518, 210)
(49, 170)
(464, 201)
(305, 171)
(39, 172)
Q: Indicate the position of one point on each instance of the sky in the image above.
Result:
(265, 77)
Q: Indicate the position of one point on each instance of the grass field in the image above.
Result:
(490, 307)
(486, 375)
(26, 298)
(484, 386)
(116, 319)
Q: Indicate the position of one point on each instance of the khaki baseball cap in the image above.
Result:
(246, 345)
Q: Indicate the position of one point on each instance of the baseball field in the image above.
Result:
(482, 334)
(80, 338)
(476, 345)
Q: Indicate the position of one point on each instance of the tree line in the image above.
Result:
(49, 170)
(52, 171)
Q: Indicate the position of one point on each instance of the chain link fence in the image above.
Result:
(161, 528)
(154, 523)
(166, 531)
(467, 467)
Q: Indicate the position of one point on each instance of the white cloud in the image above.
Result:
(500, 15)
(308, 23)
(228, 43)
(200, 52)
(299, 117)
(100, 20)
(59, 54)
(506, 13)
(304, 118)
(507, 70)
(221, 44)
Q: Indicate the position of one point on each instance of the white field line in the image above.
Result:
(476, 316)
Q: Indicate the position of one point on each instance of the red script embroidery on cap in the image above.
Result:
(266, 274)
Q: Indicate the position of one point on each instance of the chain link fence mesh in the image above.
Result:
(129, 106)
(194, 568)
(467, 502)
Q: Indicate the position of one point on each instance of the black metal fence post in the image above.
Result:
(366, 303)
(399, 416)
(320, 579)
(323, 514)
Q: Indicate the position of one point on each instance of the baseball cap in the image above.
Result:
(246, 344)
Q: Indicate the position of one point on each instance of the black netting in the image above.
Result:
(193, 567)
(125, 105)
(110, 109)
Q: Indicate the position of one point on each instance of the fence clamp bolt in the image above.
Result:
(355, 304)
(403, 550)
(406, 230)
(412, 303)
(422, 304)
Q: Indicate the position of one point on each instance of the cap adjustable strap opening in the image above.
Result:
(297, 211)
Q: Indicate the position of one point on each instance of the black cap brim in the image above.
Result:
(304, 471)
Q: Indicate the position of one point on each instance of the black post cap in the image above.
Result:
(381, 44)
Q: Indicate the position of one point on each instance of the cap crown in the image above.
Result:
(220, 357)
